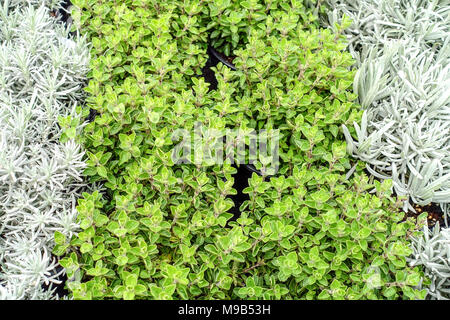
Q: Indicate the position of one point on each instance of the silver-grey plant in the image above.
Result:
(405, 130)
(432, 251)
(402, 49)
(42, 75)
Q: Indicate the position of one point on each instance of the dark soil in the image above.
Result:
(434, 214)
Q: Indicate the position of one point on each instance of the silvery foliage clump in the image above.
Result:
(42, 75)
(402, 49)
(50, 4)
(432, 251)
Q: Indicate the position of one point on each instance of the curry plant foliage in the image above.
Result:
(403, 83)
(50, 4)
(162, 230)
(432, 251)
(42, 73)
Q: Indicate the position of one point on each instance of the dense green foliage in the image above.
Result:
(162, 231)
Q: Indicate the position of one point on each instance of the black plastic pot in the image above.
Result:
(217, 57)
(214, 58)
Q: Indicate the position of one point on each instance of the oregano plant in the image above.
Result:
(162, 229)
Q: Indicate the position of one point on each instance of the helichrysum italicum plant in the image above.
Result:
(51, 4)
(402, 50)
(432, 251)
(42, 73)
(405, 130)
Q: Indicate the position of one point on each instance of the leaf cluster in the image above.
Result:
(162, 230)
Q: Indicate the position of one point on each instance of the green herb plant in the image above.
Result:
(162, 230)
